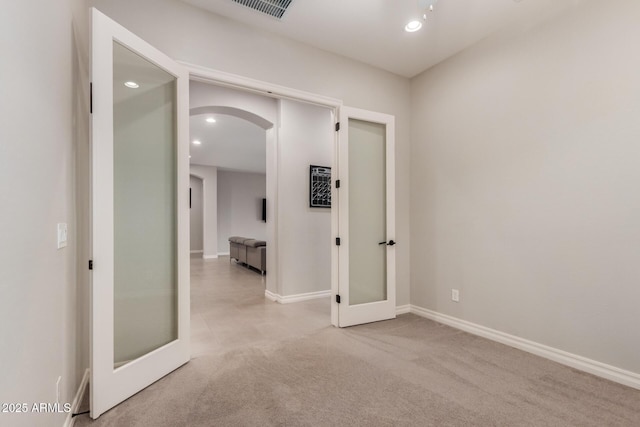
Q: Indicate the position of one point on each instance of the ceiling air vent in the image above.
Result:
(275, 8)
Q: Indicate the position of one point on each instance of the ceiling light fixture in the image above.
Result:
(425, 6)
(196, 142)
(413, 26)
(132, 85)
(211, 120)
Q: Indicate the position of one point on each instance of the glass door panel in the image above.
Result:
(367, 212)
(144, 191)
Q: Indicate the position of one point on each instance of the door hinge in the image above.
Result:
(337, 126)
(90, 264)
(90, 98)
(337, 241)
(338, 298)
(337, 183)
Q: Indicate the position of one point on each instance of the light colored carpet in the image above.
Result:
(404, 372)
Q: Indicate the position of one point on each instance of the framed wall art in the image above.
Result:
(319, 186)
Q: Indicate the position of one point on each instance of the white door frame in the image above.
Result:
(221, 78)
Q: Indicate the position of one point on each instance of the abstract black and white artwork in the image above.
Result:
(319, 186)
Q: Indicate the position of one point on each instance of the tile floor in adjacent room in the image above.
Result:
(229, 309)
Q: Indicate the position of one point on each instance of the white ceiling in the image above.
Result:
(372, 31)
(230, 143)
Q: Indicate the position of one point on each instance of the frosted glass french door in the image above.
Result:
(366, 205)
(140, 251)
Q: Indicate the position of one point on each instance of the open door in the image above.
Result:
(140, 208)
(366, 217)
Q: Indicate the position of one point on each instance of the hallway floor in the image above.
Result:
(229, 309)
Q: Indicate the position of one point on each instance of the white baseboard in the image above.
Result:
(271, 296)
(599, 369)
(197, 252)
(209, 256)
(288, 299)
(223, 253)
(403, 309)
(77, 400)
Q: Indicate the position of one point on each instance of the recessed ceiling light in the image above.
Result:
(132, 85)
(189, 155)
(211, 120)
(413, 26)
(196, 142)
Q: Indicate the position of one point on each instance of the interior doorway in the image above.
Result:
(228, 154)
(196, 213)
(295, 136)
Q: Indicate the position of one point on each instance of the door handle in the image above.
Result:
(382, 243)
(391, 243)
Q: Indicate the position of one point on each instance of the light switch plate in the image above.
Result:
(62, 235)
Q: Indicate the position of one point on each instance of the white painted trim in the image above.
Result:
(209, 256)
(335, 225)
(77, 400)
(271, 181)
(271, 296)
(197, 252)
(288, 299)
(581, 363)
(208, 75)
(224, 253)
(403, 309)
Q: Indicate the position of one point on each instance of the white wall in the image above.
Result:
(41, 289)
(305, 138)
(209, 177)
(240, 197)
(524, 173)
(192, 35)
(195, 214)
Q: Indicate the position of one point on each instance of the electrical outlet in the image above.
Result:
(58, 389)
(455, 295)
